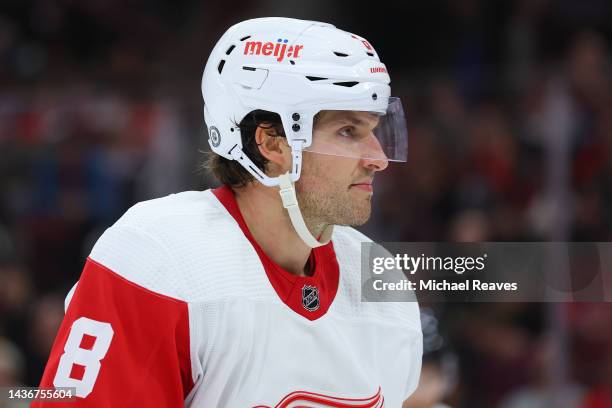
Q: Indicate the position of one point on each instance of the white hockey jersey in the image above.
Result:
(178, 305)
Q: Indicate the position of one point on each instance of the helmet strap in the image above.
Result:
(286, 191)
(289, 198)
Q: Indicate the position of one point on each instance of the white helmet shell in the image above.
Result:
(294, 68)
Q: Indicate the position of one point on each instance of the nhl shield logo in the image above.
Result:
(310, 298)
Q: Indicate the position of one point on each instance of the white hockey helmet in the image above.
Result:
(295, 68)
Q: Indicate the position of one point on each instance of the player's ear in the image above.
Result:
(273, 147)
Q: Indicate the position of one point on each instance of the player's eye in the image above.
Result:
(347, 131)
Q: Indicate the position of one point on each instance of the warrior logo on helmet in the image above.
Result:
(377, 70)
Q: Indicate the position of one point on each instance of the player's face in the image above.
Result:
(336, 188)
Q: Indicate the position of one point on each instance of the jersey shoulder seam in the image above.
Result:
(136, 285)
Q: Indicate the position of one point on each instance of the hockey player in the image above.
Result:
(249, 295)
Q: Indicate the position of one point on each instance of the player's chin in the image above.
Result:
(361, 214)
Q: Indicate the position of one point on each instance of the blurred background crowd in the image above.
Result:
(509, 106)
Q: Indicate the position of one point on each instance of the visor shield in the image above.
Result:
(362, 135)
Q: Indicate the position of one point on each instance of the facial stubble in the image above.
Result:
(327, 201)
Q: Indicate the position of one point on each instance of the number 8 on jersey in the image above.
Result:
(88, 358)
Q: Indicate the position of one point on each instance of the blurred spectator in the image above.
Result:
(538, 393)
(45, 318)
(600, 395)
(431, 389)
(12, 364)
(439, 371)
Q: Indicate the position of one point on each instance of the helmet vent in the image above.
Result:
(230, 49)
(245, 38)
(220, 67)
(340, 54)
(314, 78)
(347, 84)
(371, 54)
(248, 68)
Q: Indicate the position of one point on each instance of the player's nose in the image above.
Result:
(374, 158)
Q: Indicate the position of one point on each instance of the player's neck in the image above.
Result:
(271, 227)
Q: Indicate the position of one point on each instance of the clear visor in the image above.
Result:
(362, 135)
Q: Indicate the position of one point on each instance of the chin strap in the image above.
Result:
(287, 193)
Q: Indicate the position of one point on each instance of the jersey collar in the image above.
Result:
(308, 296)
